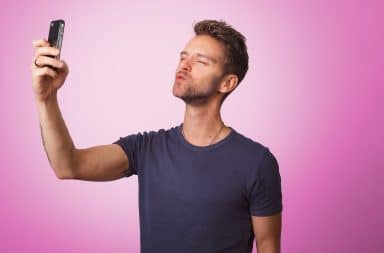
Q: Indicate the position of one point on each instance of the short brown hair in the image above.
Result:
(236, 55)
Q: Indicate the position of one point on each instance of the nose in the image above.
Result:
(185, 64)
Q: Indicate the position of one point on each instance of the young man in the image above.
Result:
(203, 187)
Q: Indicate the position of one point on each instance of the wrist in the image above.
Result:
(52, 99)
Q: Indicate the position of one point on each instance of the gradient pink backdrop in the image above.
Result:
(313, 94)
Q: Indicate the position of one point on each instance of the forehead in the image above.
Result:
(205, 44)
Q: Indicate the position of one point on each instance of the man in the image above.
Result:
(203, 187)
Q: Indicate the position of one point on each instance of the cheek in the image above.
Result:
(206, 75)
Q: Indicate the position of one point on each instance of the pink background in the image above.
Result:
(313, 94)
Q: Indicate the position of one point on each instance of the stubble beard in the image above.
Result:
(195, 97)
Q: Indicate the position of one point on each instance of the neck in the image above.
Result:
(203, 125)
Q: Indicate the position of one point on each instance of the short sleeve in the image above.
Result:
(133, 146)
(265, 194)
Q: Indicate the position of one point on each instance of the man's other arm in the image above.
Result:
(267, 230)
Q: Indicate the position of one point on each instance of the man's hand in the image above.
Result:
(48, 73)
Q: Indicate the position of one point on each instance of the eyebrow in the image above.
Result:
(200, 55)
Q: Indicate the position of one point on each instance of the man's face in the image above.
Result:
(200, 70)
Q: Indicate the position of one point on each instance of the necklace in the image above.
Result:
(182, 132)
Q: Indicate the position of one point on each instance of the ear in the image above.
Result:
(229, 83)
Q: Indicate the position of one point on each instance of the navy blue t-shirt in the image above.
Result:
(201, 199)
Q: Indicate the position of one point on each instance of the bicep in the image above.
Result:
(100, 163)
(267, 230)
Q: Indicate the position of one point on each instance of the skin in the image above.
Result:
(201, 63)
(267, 230)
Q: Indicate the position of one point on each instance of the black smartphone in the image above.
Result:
(56, 33)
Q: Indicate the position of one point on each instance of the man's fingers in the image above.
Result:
(45, 60)
(46, 50)
(45, 71)
(40, 43)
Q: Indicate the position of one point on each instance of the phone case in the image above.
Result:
(56, 33)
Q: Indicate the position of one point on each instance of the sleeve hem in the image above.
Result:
(267, 212)
(131, 169)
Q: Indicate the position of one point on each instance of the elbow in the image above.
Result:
(66, 170)
(64, 174)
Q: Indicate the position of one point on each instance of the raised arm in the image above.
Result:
(98, 163)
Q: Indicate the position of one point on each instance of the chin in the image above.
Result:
(176, 90)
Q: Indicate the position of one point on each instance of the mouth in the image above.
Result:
(180, 77)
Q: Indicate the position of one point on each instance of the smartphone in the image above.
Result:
(56, 33)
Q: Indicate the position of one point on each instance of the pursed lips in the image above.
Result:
(181, 76)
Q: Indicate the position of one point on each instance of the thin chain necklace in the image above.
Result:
(182, 132)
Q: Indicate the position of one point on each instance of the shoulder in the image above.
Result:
(249, 146)
(159, 133)
(253, 151)
(153, 133)
(148, 136)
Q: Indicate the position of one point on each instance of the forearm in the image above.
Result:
(56, 139)
(268, 246)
